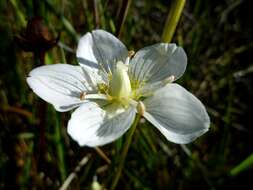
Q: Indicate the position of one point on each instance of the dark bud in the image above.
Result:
(36, 38)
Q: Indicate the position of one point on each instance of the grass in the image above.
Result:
(217, 36)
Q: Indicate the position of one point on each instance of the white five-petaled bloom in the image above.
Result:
(111, 85)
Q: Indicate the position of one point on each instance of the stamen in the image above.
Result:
(130, 55)
(82, 95)
(109, 98)
(170, 79)
(141, 108)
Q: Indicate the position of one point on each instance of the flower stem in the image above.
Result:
(125, 150)
(172, 20)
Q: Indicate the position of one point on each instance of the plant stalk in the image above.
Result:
(172, 20)
(125, 151)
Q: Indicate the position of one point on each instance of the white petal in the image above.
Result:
(85, 53)
(177, 113)
(101, 49)
(62, 84)
(93, 126)
(158, 62)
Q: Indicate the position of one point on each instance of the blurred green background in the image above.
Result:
(218, 38)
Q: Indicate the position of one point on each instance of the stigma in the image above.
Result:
(120, 86)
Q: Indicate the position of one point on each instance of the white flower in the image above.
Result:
(109, 88)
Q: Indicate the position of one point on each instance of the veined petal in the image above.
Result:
(177, 113)
(101, 49)
(158, 62)
(84, 52)
(62, 85)
(91, 125)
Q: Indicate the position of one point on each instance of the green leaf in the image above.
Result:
(245, 164)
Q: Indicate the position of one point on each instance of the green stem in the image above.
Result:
(172, 20)
(124, 153)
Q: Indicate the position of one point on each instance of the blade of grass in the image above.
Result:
(63, 57)
(73, 174)
(122, 16)
(199, 164)
(102, 155)
(148, 139)
(59, 146)
(88, 16)
(101, 15)
(28, 166)
(244, 165)
(70, 29)
(96, 15)
(17, 110)
(65, 22)
(20, 15)
(56, 138)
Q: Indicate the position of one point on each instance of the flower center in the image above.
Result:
(120, 86)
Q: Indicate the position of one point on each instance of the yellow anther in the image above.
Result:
(131, 53)
(82, 95)
(102, 88)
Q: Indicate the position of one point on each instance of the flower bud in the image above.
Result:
(36, 38)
